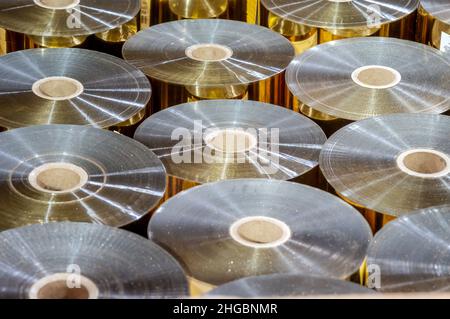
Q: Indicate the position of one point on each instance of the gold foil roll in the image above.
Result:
(160, 11)
(209, 59)
(207, 141)
(390, 165)
(348, 80)
(433, 24)
(56, 24)
(233, 229)
(71, 86)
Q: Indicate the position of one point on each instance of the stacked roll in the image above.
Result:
(210, 59)
(347, 80)
(207, 141)
(160, 11)
(85, 261)
(76, 173)
(409, 255)
(233, 229)
(434, 24)
(71, 86)
(68, 23)
(308, 23)
(390, 165)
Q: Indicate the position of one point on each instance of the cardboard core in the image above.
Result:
(57, 88)
(231, 141)
(58, 178)
(63, 286)
(209, 52)
(59, 290)
(376, 77)
(57, 4)
(424, 163)
(260, 232)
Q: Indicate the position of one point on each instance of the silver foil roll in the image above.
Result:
(410, 254)
(232, 229)
(85, 261)
(76, 173)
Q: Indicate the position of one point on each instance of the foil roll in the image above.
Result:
(433, 24)
(71, 86)
(287, 286)
(209, 59)
(308, 23)
(159, 11)
(56, 24)
(347, 80)
(409, 254)
(232, 229)
(76, 173)
(207, 141)
(85, 261)
(390, 165)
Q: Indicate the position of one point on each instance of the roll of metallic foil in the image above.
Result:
(159, 11)
(390, 165)
(347, 80)
(308, 22)
(287, 286)
(76, 173)
(85, 261)
(232, 229)
(68, 23)
(207, 141)
(409, 254)
(71, 86)
(210, 59)
(433, 24)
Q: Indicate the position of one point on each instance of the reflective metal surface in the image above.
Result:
(327, 237)
(287, 286)
(86, 18)
(288, 144)
(440, 9)
(198, 9)
(256, 53)
(411, 253)
(433, 23)
(120, 264)
(113, 91)
(322, 78)
(361, 162)
(123, 180)
(340, 14)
